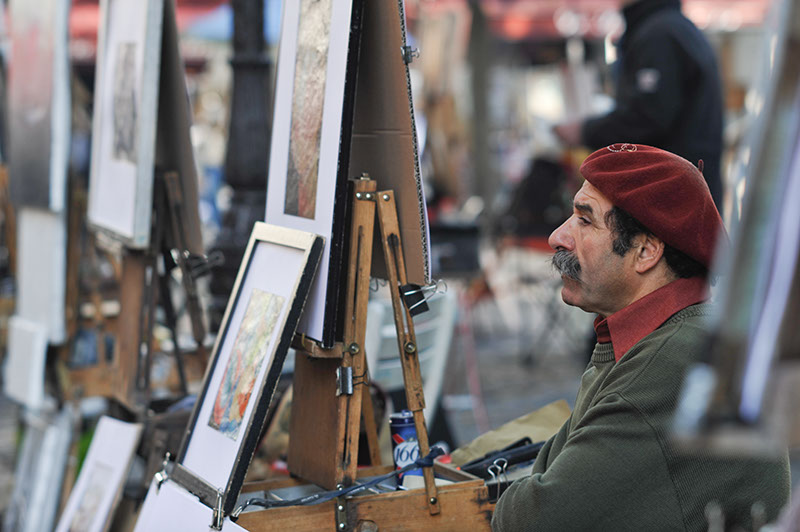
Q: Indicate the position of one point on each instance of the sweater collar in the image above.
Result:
(636, 12)
(626, 327)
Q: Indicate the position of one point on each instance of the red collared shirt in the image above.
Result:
(626, 327)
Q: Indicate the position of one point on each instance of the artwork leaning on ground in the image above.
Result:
(249, 351)
(91, 497)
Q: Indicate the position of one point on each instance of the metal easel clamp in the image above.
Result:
(344, 380)
(409, 54)
(416, 297)
(341, 513)
(218, 516)
(163, 475)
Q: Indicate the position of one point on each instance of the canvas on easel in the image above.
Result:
(327, 95)
(256, 330)
(143, 199)
(141, 119)
(384, 147)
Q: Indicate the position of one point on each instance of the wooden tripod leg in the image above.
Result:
(406, 340)
(360, 262)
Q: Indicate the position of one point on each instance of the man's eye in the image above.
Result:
(583, 221)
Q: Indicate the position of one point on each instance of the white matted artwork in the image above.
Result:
(23, 370)
(91, 504)
(308, 166)
(39, 473)
(42, 270)
(124, 122)
(39, 104)
(256, 331)
(170, 508)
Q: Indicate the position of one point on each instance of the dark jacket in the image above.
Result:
(669, 92)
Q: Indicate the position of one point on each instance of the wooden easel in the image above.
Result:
(141, 289)
(329, 406)
(348, 367)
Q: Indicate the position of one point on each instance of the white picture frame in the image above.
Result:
(90, 507)
(255, 334)
(124, 121)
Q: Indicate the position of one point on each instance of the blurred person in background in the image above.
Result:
(636, 251)
(668, 91)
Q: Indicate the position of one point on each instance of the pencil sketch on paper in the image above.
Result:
(125, 102)
(247, 355)
(91, 497)
(308, 95)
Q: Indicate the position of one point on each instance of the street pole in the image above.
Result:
(247, 155)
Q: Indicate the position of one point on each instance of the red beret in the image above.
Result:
(664, 192)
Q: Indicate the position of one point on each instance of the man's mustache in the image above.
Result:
(566, 263)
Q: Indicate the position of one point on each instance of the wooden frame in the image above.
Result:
(465, 505)
(310, 148)
(124, 122)
(273, 280)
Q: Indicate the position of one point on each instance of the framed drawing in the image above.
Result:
(39, 104)
(257, 328)
(308, 169)
(90, 507)
(124, 122)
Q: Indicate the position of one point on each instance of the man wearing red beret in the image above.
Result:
(636, 251)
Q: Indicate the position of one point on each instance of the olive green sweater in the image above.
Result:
(612, 465)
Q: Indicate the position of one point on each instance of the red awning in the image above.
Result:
(84, 19)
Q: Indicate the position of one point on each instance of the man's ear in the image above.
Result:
(649, 251)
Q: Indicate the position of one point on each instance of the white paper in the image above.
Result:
(99, 484)
(24, 366)
(42, 270)
(173, 509)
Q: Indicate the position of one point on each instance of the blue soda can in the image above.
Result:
(405, 447)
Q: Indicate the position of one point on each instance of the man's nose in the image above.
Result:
(561, 239)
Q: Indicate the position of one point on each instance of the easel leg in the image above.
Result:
(171, 319)
(406, 340)
(360, 261)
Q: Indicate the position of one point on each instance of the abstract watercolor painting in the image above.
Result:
(247, 356)
(307, 106)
